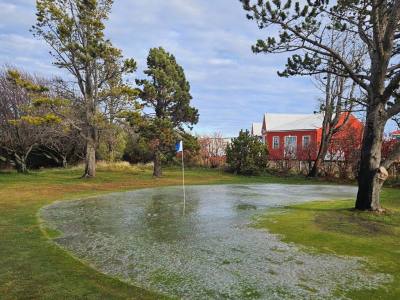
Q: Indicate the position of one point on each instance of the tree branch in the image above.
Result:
(392, 157)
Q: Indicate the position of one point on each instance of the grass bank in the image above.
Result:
(33, 267)
(334, 227)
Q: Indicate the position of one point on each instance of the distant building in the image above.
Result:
(395, 134)
(298, 136)
(256, 130)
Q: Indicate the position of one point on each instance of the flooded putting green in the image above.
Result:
(209, 251)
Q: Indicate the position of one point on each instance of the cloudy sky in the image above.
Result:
(211, 39)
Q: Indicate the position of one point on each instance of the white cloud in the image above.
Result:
(231, 86)
(16, 42)
(17, 15)
(221, 61)
(7, 8)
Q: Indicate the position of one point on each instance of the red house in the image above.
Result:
(395, 135)
(297, 136)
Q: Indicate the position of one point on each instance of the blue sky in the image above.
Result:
(211, 39)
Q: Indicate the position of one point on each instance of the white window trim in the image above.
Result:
(302, 140)
(293, 155)
(273, 142)
(291, 136)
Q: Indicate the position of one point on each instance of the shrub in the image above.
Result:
(246, 154)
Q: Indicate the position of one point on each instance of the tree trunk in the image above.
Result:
(323, 149)
(64, 161)
(91, 130)
(110, 152)
(157, 172)
(90, 159)
(314, 171)
(20, 164)
(20, 161)
(369, 184)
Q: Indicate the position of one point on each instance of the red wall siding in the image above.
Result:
(350, 135)
(279, 153)
(348, 140)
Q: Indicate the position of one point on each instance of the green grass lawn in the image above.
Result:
(334, 227)
(31, 266)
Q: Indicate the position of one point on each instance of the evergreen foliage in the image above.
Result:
(167, 94)
(246, 154)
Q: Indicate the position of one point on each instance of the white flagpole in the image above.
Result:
(183, 183)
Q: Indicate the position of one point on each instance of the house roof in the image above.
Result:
(396, 132)
(281, 122)
(256, 129)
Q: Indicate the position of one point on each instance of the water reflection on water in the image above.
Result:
(210, 252)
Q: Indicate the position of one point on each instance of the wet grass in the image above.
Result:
(334, 227)
(33, 267)
(167, 278)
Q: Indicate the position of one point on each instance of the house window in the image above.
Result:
(275, 142)
(290, 146)
(306, 141)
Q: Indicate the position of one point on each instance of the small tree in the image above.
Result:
(246, 154)
(112, 143)
(137, 149)
(167, 94)
(22, 127)
(213, 149)
(118, 101)
(339, 96)
(205, 154)
(62, 143)
(17, 139)
(306, 153)
(191, 148)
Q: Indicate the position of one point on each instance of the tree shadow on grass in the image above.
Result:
(319, 209)
(353, 223)
(347, 220)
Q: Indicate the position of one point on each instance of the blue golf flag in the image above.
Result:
(179, 146)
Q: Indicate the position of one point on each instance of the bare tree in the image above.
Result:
(339, 92)
(60, 143)
(212, 149)
(19, 133)
(306, 153)
(336, 108)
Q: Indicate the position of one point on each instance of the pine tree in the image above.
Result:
(246, 154)
(167, 94)
(74, 31)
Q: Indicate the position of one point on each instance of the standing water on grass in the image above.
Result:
(211, 252)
